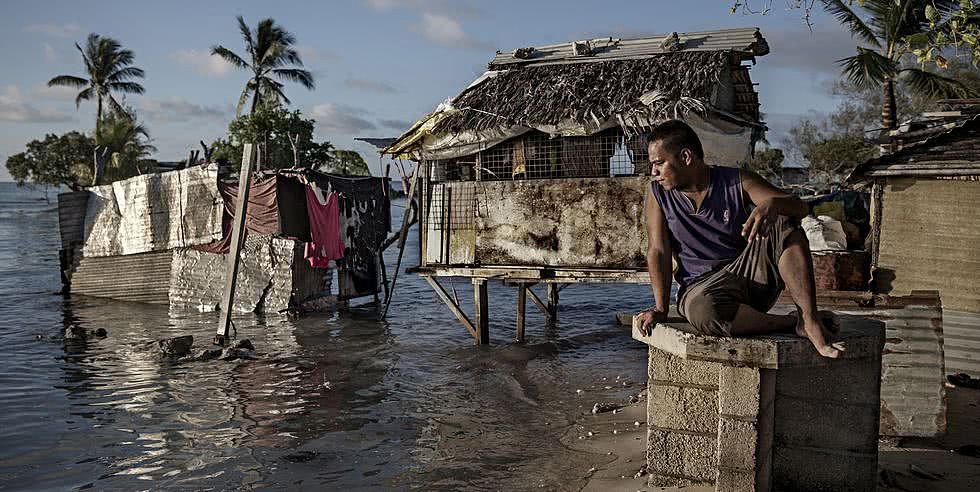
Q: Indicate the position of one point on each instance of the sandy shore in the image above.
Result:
(619, 444)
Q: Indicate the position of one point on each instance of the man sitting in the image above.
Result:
(732, 262)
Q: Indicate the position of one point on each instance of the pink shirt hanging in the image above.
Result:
(324, 214)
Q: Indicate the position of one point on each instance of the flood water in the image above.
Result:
(335, 401)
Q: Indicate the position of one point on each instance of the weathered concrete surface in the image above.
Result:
(574, 222)
(783, 417)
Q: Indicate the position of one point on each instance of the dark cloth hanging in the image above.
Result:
(261, 215)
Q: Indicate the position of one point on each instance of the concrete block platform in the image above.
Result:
(763, 413)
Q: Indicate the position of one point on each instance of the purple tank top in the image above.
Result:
(711, 238)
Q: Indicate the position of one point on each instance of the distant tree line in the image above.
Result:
(120, 146)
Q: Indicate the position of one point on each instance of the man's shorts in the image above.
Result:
(710, 303)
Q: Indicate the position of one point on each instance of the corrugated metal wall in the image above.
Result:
(962, 337)
(266, 280)
(143, 277)
(930, 239)
(71, 217)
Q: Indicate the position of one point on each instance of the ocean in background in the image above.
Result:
(337, 400)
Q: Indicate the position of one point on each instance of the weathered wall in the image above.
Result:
(961, 338)
(71, 217)
(572, 222)
(930, 231)
(265, 277)
(143, 277)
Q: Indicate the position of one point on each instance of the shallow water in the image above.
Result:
(335, 401)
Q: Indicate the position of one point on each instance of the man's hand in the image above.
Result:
(649, 319)
(759, 220)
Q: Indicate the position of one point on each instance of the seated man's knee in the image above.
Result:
(703, 314)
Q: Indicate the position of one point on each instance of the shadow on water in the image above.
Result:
(336, 400)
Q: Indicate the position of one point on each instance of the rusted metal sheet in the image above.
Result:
(143, 277)
(572, 222)
(929, 238)
(71, 217)
(961, 334)
(913, 394)
(266, 280)
(840, 270)
(154, 212)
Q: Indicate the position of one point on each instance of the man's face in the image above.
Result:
(667, 169)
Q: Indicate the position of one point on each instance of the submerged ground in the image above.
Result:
(339, 400)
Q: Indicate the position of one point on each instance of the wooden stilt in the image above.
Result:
(237, 238)
(521, 304)
(540, 304)
(480, 301)
(460, 315)
(553, 300)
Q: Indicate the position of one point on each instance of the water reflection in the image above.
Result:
(333, 401)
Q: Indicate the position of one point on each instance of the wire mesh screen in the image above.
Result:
(453, 206)
(536, 155)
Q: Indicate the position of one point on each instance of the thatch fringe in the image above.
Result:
(585, 92)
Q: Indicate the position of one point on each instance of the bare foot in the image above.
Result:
(820, 337)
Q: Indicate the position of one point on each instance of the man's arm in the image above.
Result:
(659, 263)
(769, 202)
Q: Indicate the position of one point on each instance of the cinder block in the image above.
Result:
(731, 480)
(825, 424)
(846, 381)
(738, 391)
(681, 455)
(679, 408)
(799, 469)
(737, 444)
(667, 367)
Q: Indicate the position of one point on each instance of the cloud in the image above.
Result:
(370, 86)
(50, 55)
(67, 30)
(14, 109)
(175, 109)
(400, 125)
(447, 31)
(812, 52)
(308, 54)
(340, 119)
(56, 93)
(203, 62)
(454, 7)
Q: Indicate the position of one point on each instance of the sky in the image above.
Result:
(379, 65)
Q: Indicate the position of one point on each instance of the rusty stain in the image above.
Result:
(893, 340)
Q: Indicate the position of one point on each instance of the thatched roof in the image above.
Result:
(585, 92)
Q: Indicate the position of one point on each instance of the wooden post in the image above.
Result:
(453, 305)
(237, 235)
(401, 242)
(521, 304)
(480, 302)
(553, 300)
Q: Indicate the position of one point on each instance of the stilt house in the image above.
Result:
(537, 172)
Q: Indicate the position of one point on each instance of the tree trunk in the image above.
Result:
(888, 110)
(255, 98)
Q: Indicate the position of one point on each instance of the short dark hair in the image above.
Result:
(676, 135)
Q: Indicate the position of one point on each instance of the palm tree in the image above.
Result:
(109, 69)
(893, 29)
(269, 51)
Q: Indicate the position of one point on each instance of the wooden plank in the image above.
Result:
(537, 302)
(481, 301)
(453, 307)
(521, 305)
(553, 300)
(237, 235)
